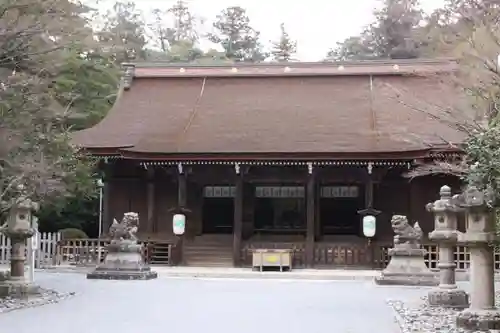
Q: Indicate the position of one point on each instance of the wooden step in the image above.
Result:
(207, 249)
(209, 256)
(201, 263)
(159, 254)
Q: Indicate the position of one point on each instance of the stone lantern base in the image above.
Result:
(124, 261)
(448, 298)
(407, 267)
(18, 289)
(479, 320)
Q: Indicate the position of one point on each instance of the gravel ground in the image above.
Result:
(417, 317)
(46, 296)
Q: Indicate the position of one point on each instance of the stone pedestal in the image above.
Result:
(482, 315)
(447, 294)
(407, 267)
(16, 284)
(123, 261)
(18, 289)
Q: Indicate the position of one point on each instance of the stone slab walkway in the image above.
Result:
(246, 273)
(187, 305)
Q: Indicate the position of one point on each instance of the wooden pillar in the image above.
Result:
(369, 190)
(182, 207)
(106, 207)
(317, 209)
(238, 217)
(310, 214)
(370, 211)
(151, 200)
(182, 191)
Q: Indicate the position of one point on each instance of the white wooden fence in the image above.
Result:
(47, 249)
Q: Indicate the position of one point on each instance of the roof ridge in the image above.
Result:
(297, 64)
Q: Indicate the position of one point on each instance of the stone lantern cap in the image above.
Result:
(474, 199)
(19, 221)
(445, 217)
(479, 216)
(445, 203)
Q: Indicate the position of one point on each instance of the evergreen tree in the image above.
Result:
(35, 147)
(285, 48)
(391, 35)
(235, 34)
(123, 36)
(184, 24)
(178, 43)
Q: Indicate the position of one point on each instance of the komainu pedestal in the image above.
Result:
(124, 259)
(407, 266)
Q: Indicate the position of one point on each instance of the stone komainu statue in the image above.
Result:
(126, 229)
(405, 233)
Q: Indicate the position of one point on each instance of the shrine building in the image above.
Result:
(275, 155)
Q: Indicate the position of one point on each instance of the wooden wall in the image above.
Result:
(127, 188)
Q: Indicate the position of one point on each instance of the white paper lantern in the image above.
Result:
(369, 226)
(179, 224)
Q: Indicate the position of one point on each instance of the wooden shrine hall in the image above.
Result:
(275, 155)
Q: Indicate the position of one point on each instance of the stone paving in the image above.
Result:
(185, 305)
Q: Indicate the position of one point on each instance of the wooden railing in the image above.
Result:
(88, 252)
(47, 249)
(462, 256)
(356, 255)
(345, 255)
(80, 252)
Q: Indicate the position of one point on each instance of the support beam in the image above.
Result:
(310, 216)
(369, 210)
(106, 212)
(106, 191)
(181, 189)
(369, 187)
(238, 218)
(151, 200)
(181, 208)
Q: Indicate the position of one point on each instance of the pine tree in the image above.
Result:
(235, 34)
(184, 24)
(177, 42)
(285, 48)
(124, 33)
(391, 35)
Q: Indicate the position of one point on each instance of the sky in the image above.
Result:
(316, 25)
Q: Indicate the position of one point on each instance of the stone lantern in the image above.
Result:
(446, 235)
(482, 314)
(19, 228)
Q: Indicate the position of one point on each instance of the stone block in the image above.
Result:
(479, 320)
(4, 276)
(407, 267)
(448, 298)
(18, 289)
(126, 264)
(103, 273)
